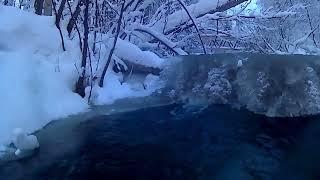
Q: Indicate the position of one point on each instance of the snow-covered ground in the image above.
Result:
(37, 77)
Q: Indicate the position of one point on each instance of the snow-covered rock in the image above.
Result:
(240, 63)
(24, 142)
(274, 85)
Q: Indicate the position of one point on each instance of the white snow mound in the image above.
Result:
(34, 89)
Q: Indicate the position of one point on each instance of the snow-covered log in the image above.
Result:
(161, 38)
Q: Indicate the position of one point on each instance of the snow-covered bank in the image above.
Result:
(36, 75)
(32, 94)
(114, 90)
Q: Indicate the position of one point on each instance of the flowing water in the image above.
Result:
(154, 138)
(174, 142)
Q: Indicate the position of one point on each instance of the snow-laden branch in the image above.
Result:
(161, 38)
(238, 15)
(203, 7)
(303, 39)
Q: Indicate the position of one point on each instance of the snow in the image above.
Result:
(24, 31)
(36, 75)
(24, 142)
(128, 51)
(161, 38)
(303, 39)
(114, 90)
(33, 94)
(240, 63)
(196, 10)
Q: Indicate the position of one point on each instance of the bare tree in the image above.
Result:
(101, 82)
(80, 85)
(57, 22)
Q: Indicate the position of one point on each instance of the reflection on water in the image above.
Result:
(171, 142)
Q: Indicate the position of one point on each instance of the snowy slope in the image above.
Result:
(36, 75)
(24, 31)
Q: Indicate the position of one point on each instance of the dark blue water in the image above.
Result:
(171, 142)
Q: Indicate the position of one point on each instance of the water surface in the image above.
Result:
(172, 142)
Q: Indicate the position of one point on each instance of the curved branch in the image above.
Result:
(194, 24)
(161, 38)
(202, 12)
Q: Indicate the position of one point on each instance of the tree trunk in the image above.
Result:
(101, 82)
(38, 6)
(80, 86)
(74, 17)
(60, 11)
(58, 25)
(47, 8)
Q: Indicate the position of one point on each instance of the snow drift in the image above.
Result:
(36, 75)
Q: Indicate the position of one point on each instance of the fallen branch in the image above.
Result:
(161, 38)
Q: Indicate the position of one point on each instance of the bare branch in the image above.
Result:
(113, 47)
(161, 38)
(195, 25)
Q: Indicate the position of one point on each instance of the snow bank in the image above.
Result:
(25, 31)
(129, 84)
(36, 76)
(32, 94)
(113, 89)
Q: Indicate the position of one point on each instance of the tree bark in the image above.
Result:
(60, 11)
(38, 6)
(74, 17)
(47, 10)
(97, 14)
(76, 26)
(58, 25)
(80, 86)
